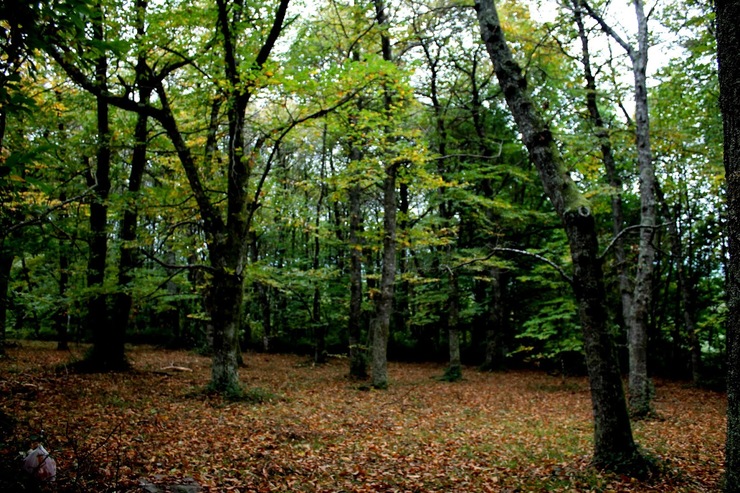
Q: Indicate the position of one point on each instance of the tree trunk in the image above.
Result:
(320, 354)
(61, 316)
(357, 352)
(224, 304)
(607, 156)
(381, 323)
(614, 447)
(107, 352)
(728, 46)
(454, 370)
(494, 355)
(6, 263)
(639, 383)
(128, 252)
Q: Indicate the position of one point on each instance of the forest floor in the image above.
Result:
(318, 431)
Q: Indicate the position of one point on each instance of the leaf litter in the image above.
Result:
(316, 430)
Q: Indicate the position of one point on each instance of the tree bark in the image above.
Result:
(728, 46)
(639, 382)
(107, 352)
(6, 263)
(614, 447)
(638, 310)
(128, 252)
(357, 352)
(381, 322)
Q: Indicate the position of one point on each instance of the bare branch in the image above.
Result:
(625, 231)
(609, 31)
(495, 250)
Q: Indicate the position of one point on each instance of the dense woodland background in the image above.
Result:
(520, 184)
(319, 132)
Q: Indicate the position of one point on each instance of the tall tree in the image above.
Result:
(380, 327)
(728, 46)
(128, 252)
(107, 352)
(614, 446)
(638, 307)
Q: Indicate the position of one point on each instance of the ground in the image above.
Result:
(316, 430)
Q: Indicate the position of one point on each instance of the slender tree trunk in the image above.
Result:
(614, 447)
(454, 369)
(6, 263)
(357, 352)
(320, 354)
(607, 156)
(108, 351)
(728, 46)
(61, 316)
(639, 382)
(381, 323)
(639, 309)
(495, 325)
(128, 252)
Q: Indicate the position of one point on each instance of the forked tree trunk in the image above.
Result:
(614, 447)
(128, 252)
(728, 46)
(637, 311)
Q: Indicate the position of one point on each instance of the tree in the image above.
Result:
(728, 45)
(614, 446)
(637, 308)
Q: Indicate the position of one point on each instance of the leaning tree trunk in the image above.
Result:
(728, 46)
(614, 447)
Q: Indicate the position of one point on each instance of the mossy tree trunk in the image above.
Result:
(614, 447)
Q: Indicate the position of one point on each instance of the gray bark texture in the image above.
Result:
(728, 44)
(637, 323)
(637, 311)
(381, 323)
(614, 447)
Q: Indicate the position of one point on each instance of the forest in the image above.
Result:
(486, 187)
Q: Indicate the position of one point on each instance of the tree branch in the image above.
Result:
(608, 30)
(625, 231)
(495, 250)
